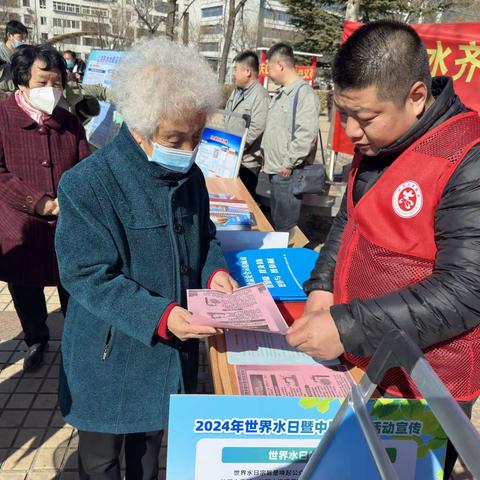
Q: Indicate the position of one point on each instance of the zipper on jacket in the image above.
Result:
(108, 345)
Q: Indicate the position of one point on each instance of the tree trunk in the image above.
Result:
(222, 71)
(352, 11)
(186, 24)
(170, 27)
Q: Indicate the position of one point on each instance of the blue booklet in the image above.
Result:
(282, 270)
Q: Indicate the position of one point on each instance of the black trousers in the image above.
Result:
(451, 453)
(99, 455)
(249, 177)
(31, 308)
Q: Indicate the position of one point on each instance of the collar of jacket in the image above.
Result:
(238, 98)
(293, 86)
(446, 105)
(21, 119)
(132, 152)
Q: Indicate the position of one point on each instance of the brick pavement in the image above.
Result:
(35, 442)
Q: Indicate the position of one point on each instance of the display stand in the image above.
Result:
(397, 349)
(220, 151)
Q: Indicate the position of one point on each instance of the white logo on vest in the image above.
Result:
(407, 200)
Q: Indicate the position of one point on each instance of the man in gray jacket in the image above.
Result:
(250, 98)
(290, 137)
(15, 35)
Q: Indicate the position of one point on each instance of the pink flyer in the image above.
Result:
(294, 380)
(248, 308)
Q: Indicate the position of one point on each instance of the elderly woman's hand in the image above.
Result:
(179, 324)
(223, 282)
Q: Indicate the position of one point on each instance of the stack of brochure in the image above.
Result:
(282, 270)
(228, 213)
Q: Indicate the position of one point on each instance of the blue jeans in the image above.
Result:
(284, 206)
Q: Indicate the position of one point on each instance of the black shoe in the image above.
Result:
(34, 357)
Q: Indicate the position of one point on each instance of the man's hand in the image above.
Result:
(316, 334)
(319, 300)
(285, 172)
(179, 323)
(223, 282)
(47, 206)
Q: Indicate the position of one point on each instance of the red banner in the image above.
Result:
(452, 50)
(307, 72)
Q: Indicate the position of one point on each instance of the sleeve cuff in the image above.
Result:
(31, 201)
(162, 328)
(214, 273)
(350, 330)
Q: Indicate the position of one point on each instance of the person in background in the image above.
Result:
(80, 99)
(403, 251)
(15, 35)
(134, 235)
(290, 137)
(76, 66)
(249, 97)
(38, 143)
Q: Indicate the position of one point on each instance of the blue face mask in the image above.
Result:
(18, 43)
(70, 63)
(172, 159)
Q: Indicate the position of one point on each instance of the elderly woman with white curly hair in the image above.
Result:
(133, 236)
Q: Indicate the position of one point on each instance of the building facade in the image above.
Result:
(81, 25)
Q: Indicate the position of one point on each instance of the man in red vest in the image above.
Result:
(404, 249)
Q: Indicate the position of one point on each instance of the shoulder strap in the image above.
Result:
(294, 110)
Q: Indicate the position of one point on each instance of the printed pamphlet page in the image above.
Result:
(248, 308)
(294, 380)
(258, 348)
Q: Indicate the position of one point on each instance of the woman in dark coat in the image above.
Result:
(133, 236)
(38, 143)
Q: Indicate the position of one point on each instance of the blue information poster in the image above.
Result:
(105, 126)
(218, 154)
(100, 66)
(217, 437)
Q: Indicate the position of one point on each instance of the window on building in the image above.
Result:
(26, 3)
(277, 15)
(209, 47)
(66, 23)
(43, 3)
(44, 36)
(94, 12)
(43, 20)
(73, 41)
(92, 42)
(211, 29)
(208, 12)
(66, 7)
(27, 19)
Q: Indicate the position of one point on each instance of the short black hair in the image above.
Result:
(14, 27)
(387, 54)
(25, 56)
(248, 58)
(73, 54)
(284, 51)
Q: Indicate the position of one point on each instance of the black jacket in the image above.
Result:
(444, 305)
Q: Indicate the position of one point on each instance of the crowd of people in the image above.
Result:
(125, 231)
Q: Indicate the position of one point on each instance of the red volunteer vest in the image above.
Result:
(389, 244)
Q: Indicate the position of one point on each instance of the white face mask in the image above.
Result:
(45, 99)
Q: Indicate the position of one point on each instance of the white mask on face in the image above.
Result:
(45, 99)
